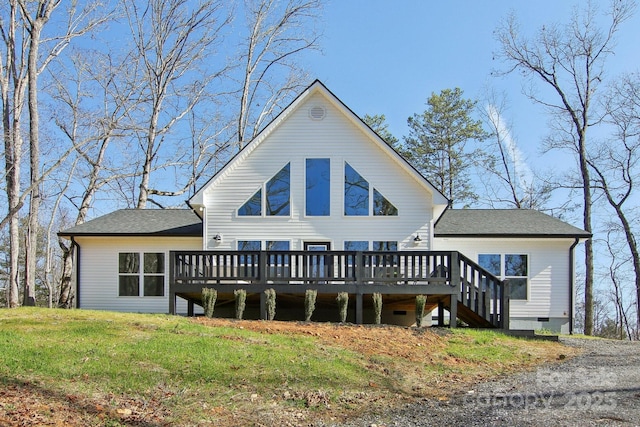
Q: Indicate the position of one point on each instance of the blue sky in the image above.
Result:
(387, 57)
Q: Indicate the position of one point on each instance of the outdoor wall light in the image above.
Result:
(218, 238)
(417, 239)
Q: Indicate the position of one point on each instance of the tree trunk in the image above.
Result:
(31, 239)
(66, 281)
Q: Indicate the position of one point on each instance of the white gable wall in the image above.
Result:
(99, 272)
(294, 140)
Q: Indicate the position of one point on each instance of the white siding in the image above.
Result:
(99, 271)
(549, 270)
(294, 140)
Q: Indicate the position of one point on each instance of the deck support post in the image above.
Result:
(359, 308)
(172, 302)
(453, 311)
(172, 274)
(456, 283)
(263, 306)
(504, 310)
(440, 314)
(190, 308)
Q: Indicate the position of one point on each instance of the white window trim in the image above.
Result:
(502, 275)
(141, 275)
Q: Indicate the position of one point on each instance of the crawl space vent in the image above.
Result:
(317, 112)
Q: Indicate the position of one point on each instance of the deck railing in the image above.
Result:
(428, 272)
(264, 267)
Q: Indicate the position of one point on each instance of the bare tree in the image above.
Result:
(569, 60)
(26, 54)
(13, 87)
(93, 105)
(618, 261)
(616, 163)
(278, 31)
(173, 45)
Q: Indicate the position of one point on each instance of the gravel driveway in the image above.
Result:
(601, 387)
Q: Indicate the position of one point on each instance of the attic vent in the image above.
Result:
(317, 112)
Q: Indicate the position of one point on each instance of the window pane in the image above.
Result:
(491, 263)
(518, 288)
(356, 192)
(129, 262)
(154, 262)
(278, 191)
(129, 286)
(277, 245)
(153, 286)
(318, 185)
(248, 245)
(381, 206)
(515, 265)
(356, 245)
(278, 264)
(385, 246)
(253, 206)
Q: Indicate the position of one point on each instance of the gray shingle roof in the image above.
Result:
(503, 223)
(141, 222)
(453, 223)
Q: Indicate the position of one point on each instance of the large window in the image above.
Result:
(385, 246)
(318, 185)
(358, 192)
(256, 245)
(248, 245)
(509, 266)
(356, 245)
(131, 276)
(277, 195)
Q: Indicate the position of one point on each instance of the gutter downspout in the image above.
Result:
(572, 272)
(77, 267)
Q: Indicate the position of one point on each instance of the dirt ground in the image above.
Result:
(30, 404)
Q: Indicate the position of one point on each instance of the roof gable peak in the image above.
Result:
(318, 87)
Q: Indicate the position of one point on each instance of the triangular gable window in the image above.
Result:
(277, 196)
(357, 194)
(381, 206)
(253, 206)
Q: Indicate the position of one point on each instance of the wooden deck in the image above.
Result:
(452, 281)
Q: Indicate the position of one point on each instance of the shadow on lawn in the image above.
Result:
(29, 403)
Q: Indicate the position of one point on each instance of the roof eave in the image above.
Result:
(582, 237)
(158, 234)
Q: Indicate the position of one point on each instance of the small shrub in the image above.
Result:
(241, 297)
(421, 300)
(309, 303)
(271, 303)
(209, 297)
(377, 307)
(343, 304)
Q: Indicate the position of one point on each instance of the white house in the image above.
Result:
(319, 201)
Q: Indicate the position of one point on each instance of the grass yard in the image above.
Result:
(90, 368)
